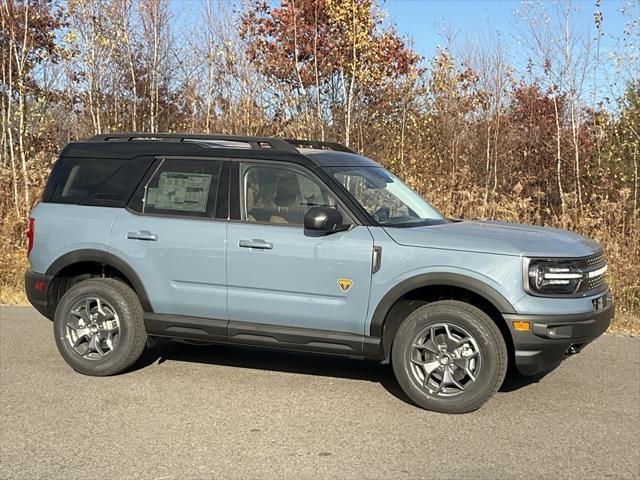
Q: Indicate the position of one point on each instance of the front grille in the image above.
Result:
(593, 262)
(595, 284)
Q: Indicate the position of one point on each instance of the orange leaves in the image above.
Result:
(331, 37)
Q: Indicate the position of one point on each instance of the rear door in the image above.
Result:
(170, 236)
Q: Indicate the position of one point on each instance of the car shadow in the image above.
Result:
(291, 362)
(515, 380)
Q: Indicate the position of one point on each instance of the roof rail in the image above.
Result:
(254, 142)
(338, 147)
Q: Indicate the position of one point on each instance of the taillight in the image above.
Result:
(30, 230)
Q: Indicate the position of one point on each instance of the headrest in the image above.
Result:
(286, 191)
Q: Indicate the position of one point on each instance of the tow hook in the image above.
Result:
(574, 348)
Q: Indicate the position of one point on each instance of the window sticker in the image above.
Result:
(187, 192)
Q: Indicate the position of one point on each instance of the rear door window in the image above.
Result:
(179, 187)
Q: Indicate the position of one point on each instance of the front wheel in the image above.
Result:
(99, 327)
(449, 356)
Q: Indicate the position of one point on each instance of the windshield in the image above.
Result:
(389, 201)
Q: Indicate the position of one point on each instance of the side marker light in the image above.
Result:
(521, 326)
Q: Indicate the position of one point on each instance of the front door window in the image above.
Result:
(279, 195)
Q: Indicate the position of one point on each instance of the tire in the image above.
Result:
(115, 319)
(419, 365)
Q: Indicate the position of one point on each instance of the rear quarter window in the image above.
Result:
(80, 177)
(99, 181)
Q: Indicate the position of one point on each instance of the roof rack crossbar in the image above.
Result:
(338, 147)
(256, 143)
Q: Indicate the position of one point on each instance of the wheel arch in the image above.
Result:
(413, 292)
(90, 263)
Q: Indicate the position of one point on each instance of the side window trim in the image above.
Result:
(237, 190)
(223, 200)
(54, 178)
(234, 192)
(146, 184)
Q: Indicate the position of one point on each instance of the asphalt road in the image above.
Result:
(222, 412)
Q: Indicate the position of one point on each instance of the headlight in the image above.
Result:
(577, 277)
(554, 277)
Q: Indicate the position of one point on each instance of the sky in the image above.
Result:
(424, 22)
(423, 19)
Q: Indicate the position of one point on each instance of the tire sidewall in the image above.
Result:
(489, 341)
(119, 357)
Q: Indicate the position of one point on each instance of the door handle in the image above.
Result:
(142, 235)
(256, 243)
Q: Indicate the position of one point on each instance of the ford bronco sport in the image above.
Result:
(304, 246)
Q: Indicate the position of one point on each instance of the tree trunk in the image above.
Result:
(487, 163)
(558, 151)
(8, 144)
(403, 126)
(354, 59)
(319, 116)
(576, 153)
(495, 152)
(296, 60)
(132, 71)
(21, 58)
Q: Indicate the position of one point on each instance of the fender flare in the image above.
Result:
(478, 287)
(105, 258)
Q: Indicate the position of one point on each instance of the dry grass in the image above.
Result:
(13, 261)
(625, 324)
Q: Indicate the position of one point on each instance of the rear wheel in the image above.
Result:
(99, 328)
(449, 356)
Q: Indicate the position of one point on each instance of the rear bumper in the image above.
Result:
(551, 338)
(36, 286)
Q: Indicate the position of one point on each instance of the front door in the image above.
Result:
(277, 275)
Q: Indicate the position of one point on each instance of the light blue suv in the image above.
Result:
(304, 246)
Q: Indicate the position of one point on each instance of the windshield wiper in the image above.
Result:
(421, 222)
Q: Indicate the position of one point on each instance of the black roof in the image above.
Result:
(130, 145)
(338, 159)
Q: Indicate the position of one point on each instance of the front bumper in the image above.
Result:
(551, 338)
(37, 285)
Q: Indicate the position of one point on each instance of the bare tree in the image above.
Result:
(19, 49)
(156, 21)
(487, 56)
(7, 99)
(124, 22)
(562, 48)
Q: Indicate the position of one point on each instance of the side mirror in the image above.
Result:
(320, 221)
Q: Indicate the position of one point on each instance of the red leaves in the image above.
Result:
(40, 24)
(293, 41)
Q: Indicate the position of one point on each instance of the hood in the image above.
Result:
(498, 238)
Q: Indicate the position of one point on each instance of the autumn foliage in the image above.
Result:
(307, 43)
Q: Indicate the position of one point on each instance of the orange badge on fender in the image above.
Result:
(345, 284)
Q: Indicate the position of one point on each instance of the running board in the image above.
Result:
(255, 334)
